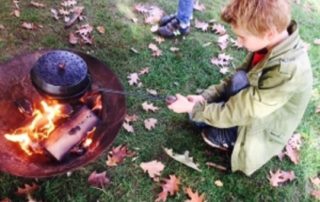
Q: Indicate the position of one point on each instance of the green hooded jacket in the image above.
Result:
(269, 110)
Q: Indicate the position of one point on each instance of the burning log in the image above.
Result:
(71, 133)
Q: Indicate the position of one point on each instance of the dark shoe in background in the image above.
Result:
(220, 138)
(172, 29)
(166, 19)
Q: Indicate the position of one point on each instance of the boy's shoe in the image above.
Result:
(220, 138)
(172, 29)
(166, 19)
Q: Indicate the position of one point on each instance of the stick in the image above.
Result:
(219, 167)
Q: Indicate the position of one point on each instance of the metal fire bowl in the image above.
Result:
(15, 84)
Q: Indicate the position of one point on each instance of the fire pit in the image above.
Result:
(19, 99)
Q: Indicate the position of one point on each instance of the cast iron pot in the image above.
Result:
(61, 75)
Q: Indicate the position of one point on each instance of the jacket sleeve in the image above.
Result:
(215, 93)
(250, 103)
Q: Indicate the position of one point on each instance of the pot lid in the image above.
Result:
(60, 68)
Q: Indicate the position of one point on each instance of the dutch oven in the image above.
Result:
(61, 75)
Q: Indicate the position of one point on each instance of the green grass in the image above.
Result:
(183, 72)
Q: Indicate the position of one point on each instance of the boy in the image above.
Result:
(262, 114)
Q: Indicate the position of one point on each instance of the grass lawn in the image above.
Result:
(184, 71)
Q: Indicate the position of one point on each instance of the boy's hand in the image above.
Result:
(196, 98)
(182, 105)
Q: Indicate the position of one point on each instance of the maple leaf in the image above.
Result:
(99, 180)
(194, 196)
(183, 158)
(54, 13)
(316, 194)
(144, 71)
(73, 39)
(150, 123)
(101, 29)
(315, 181)
(152, 92)
(316, 41)
(85, 33)
(198, 6)
(118, 154)
(219, 29)
(37, 4)
(292, 148)
(223, 41)
(75, 14)
(27, 189)
(63, 11)
(235, 43)
(149, 107)
(156, 52)
(133, 78)
(159, 39)
(218, 183)
(201, 25)
(128, 127)
(170, 186)
(131, 118)
(222, 60)
(279, 177)
(154, 168)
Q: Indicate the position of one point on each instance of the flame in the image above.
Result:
(88, 141)
(42, 124)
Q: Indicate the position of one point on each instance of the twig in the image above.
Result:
(219, 167)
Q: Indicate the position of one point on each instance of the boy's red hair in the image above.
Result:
(258, 16)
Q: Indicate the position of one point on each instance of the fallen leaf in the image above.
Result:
(68, 3)
(292, 148)
(201, 25)
(27, 189)
(16, 4)
(85, 33)
(279, 177)
(133, 78)
(54, 13)
(5, 200)
(152, 92)
(154, 15)
(316, 194)
(131, 118)
(183, 158)
(316, 41)
(128, 127)
(218, 183)
(224, 70)
(223, 41)
(150, 123)
(75, 14)
(141, 8)
(118, 154)
(154, 168)
(194, 196)
(37, 4)
(154, 28)
(28, 25)
(159, 39)
(99, 180)
(222, 60)
(149, 107)
(315, 181)
(198, 6)
(73, 39)
(235, 43)
(156, 52)
(219, 29)
(2, 27)
(174, 49)
(144, 70)
(63, 11)
(170, 186)
(101, 29)
(16, 13)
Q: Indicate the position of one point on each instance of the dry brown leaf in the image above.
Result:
(315, 181)
(68, 3)
(28, 25)
(292, 148)
(170, 186)
(152, 92)
(154, 28)
(183, 158)
(75, 14)
(16, 3)
(101, 29)
(159, 39)
(118, 154)
(27, 189)
(224, 70)
(99, 180)
(2, 27)
(222, 60)
(54, 13)
(280, 177)
(174, 49)
(223, 41)
(73, 39)
(194, 196)
(315, 194)
(218, 183)
(201, 25)
(85, 33)
(144, 70)
(219, 29)
(316, 41)
(150, 123)
(156, 52)
(128, 127)
(199, 6)
(131, 118)
(37, 4)
(16, 13)
(154, 168)
(149, 107)
(64, 12)
(235, 43)
(133, 78)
